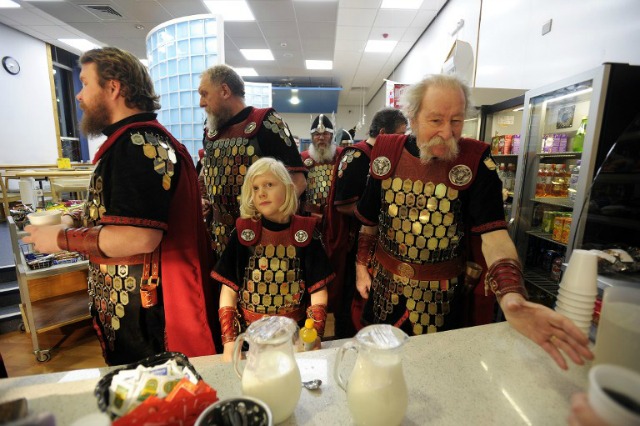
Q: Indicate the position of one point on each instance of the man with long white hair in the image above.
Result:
(319, 160)
(427, 194)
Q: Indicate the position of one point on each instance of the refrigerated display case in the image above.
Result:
(568, 129)
(500, 127)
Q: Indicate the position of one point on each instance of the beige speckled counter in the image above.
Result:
(488, 375)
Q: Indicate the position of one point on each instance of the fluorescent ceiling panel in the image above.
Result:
(401, 4)
(257, 54)
(313, 64)
(380, 46)
(79, 43)
(231, 10)
(8, 4)
(246, 72)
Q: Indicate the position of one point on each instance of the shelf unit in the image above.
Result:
(50, 297)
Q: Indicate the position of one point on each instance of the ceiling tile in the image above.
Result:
(352, 33)
(394, 18)
(316, 11)
(250, 43)
(183, 8)
(423, 18)
(242, 29)
(272, 10)
(361, 4)
(363, 17)
(24, 17)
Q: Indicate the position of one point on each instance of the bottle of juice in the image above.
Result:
(308, 334)
(578, 140)
(548, 180)
(540, 181)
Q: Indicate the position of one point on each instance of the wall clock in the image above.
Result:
(11, 65)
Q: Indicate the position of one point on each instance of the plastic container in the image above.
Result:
(308, 335)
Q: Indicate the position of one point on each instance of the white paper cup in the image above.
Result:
(578, 311)
(576, 303)
(46, 217)
(590, 298)
(615, 379)
(581, 275)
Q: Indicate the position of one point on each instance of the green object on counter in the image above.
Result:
(578, 140)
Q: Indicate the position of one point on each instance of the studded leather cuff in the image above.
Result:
(318, 313)
(81, 240)
(366, 247)
(505, 276)
(229, 324)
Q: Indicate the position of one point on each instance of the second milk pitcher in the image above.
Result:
(376, 390)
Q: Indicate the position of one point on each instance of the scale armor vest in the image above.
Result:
(420, 223)
(114, 289)
(228, 156)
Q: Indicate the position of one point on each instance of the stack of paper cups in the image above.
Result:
(579, 288)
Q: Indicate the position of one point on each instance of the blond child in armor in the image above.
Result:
(274, 264)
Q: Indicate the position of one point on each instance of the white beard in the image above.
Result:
(322, 155)
(426, 153)
(212, 122)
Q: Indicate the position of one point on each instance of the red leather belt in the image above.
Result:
(431, 271)
(250, 316)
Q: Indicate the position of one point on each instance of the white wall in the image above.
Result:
(27, 129)
(513, 54)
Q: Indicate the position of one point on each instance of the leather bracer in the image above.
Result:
(229, 324)
(366, 247)
(81, 240)
(505, 276)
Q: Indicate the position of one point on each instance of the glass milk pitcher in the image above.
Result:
(271, 373)
(376, 390)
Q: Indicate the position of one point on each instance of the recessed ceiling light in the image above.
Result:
(257, 54)
(313, 64)
(380, 45)
(231, 10)
(8, 4)
(400, 4)
(139, 27)
(79, 43)
(246, 72)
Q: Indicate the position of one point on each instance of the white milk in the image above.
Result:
(377, 392)
(276, 381)
(618, 338)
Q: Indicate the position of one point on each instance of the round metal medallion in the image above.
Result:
(308, 162)
(460, 175)
(247, 235)
(405, 270)
(381, 166)
(301, 236)
(211, 133)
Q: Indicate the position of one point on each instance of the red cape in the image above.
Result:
(188, 297)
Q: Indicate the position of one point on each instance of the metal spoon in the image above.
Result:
(312, 384)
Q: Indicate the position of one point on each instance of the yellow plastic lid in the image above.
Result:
(308, 323)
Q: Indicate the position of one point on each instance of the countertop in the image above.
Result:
(486, 375)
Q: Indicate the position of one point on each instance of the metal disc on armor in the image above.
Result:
(149, 150)
(460, 175)
(137, 139)
(393, 210)
(386, 184)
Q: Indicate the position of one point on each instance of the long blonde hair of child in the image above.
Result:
(260, 167)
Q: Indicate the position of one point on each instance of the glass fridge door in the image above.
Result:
(556, 145)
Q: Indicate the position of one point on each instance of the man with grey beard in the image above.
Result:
(319, 160)
(427, 194)
(236, 135)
